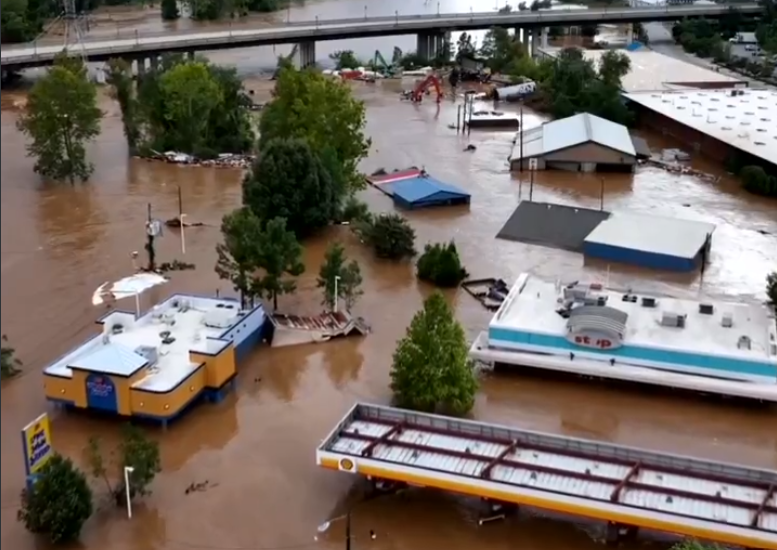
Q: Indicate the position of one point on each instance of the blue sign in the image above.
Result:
(100, 392)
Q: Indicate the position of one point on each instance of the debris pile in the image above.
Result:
(226, 160)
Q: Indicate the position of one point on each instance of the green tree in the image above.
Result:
(189, 93)
(280, 258)
(389, 235)
(136, 451)
(338, 272)
(345, 59)
(10, 363)
(170, 10)
(321, 110)
(61, 118)
(757, 181)
(59, 502)
(500, 49)
(771, 288)
(465, 47)
(238, 254)
(695, 545)
(183, 105)
(290, 181)
(440, 265)
(431, 369)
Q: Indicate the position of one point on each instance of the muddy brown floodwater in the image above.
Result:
(256, 449)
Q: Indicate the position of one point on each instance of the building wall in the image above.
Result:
(710, 365)
(590, 153)
(696, 141)
(64, 390)
(219, 369)
(166, 405)
(639, 258)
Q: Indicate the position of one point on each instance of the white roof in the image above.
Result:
(747, 121)
(110, 359)
(524, 465)
(575, 130)
(188, 322)
(653, 71)
(532, 304)
(670, 236)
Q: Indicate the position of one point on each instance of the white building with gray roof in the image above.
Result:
(580, 143)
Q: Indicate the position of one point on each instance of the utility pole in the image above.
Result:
(520, 134)
(153, 230)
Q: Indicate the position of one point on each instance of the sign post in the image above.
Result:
(36, 444)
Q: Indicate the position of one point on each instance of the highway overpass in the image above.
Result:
(309, 32)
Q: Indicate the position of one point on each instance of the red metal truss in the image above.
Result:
(764, 506)
(485, 473)
(616, 493)
(626, 483)
(571, 453)
(395, 429)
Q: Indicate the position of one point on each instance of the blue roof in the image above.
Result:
(413, 190)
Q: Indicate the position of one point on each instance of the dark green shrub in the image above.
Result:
(440, 265)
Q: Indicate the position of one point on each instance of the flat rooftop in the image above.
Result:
(669, 236)
(653, 71)
(173, 328)
(551, 225)
(532, 304)
(564, 466)
(746, 121)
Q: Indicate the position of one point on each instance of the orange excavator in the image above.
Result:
(424, 88)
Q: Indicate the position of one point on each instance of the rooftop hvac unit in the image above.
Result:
(647, 301)
(744, 342)
(727, 321)
(673, 320)
(150, 353)
(706, 309)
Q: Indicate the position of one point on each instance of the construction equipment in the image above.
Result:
(380, 66)
(424, 88)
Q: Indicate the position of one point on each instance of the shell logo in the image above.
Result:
(347, 465)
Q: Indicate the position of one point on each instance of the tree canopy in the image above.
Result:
(279, 260)
(311, 106)
(440, 265)
(340, 277)
(431, 370)
(183, 105)
(290, 180)
(238, 254)
(60, 119)
(10, 363)
(389, 235)
(59, 502)
(771, 288)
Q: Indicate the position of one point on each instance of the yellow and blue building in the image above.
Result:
(156, 365)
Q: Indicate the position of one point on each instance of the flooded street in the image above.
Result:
(256, 449)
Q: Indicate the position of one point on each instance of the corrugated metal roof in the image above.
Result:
(584, 128)
(414, 190)
(110, 359)
(566, 472)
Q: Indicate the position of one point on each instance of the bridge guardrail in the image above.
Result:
(239, 34)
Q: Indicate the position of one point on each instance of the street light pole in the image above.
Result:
(127, 471)
(334, 308)
(348, 530)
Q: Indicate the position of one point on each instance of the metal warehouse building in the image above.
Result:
(649, 241)
(580, 143)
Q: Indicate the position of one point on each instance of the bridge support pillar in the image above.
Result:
(629, 34)
(429, 45)
(545, 33)
(535, 42)
(525, 37)
(306, 54)
(141, 67)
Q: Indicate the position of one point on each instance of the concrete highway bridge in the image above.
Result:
(430, 29)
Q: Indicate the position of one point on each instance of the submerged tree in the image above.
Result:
(771, 288)
(440, 265)
(10, 363)
(389, 235)
(135, 451)
(279, 260)
(338, 273)
(61, 118)
(431, 369)
(321, 110)
(238, 254)
(59, 503)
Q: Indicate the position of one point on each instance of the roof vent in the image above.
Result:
(706, 309)
(647, 301)
(727, 321)
(744, 342)
(773, 349)
(673, 320)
